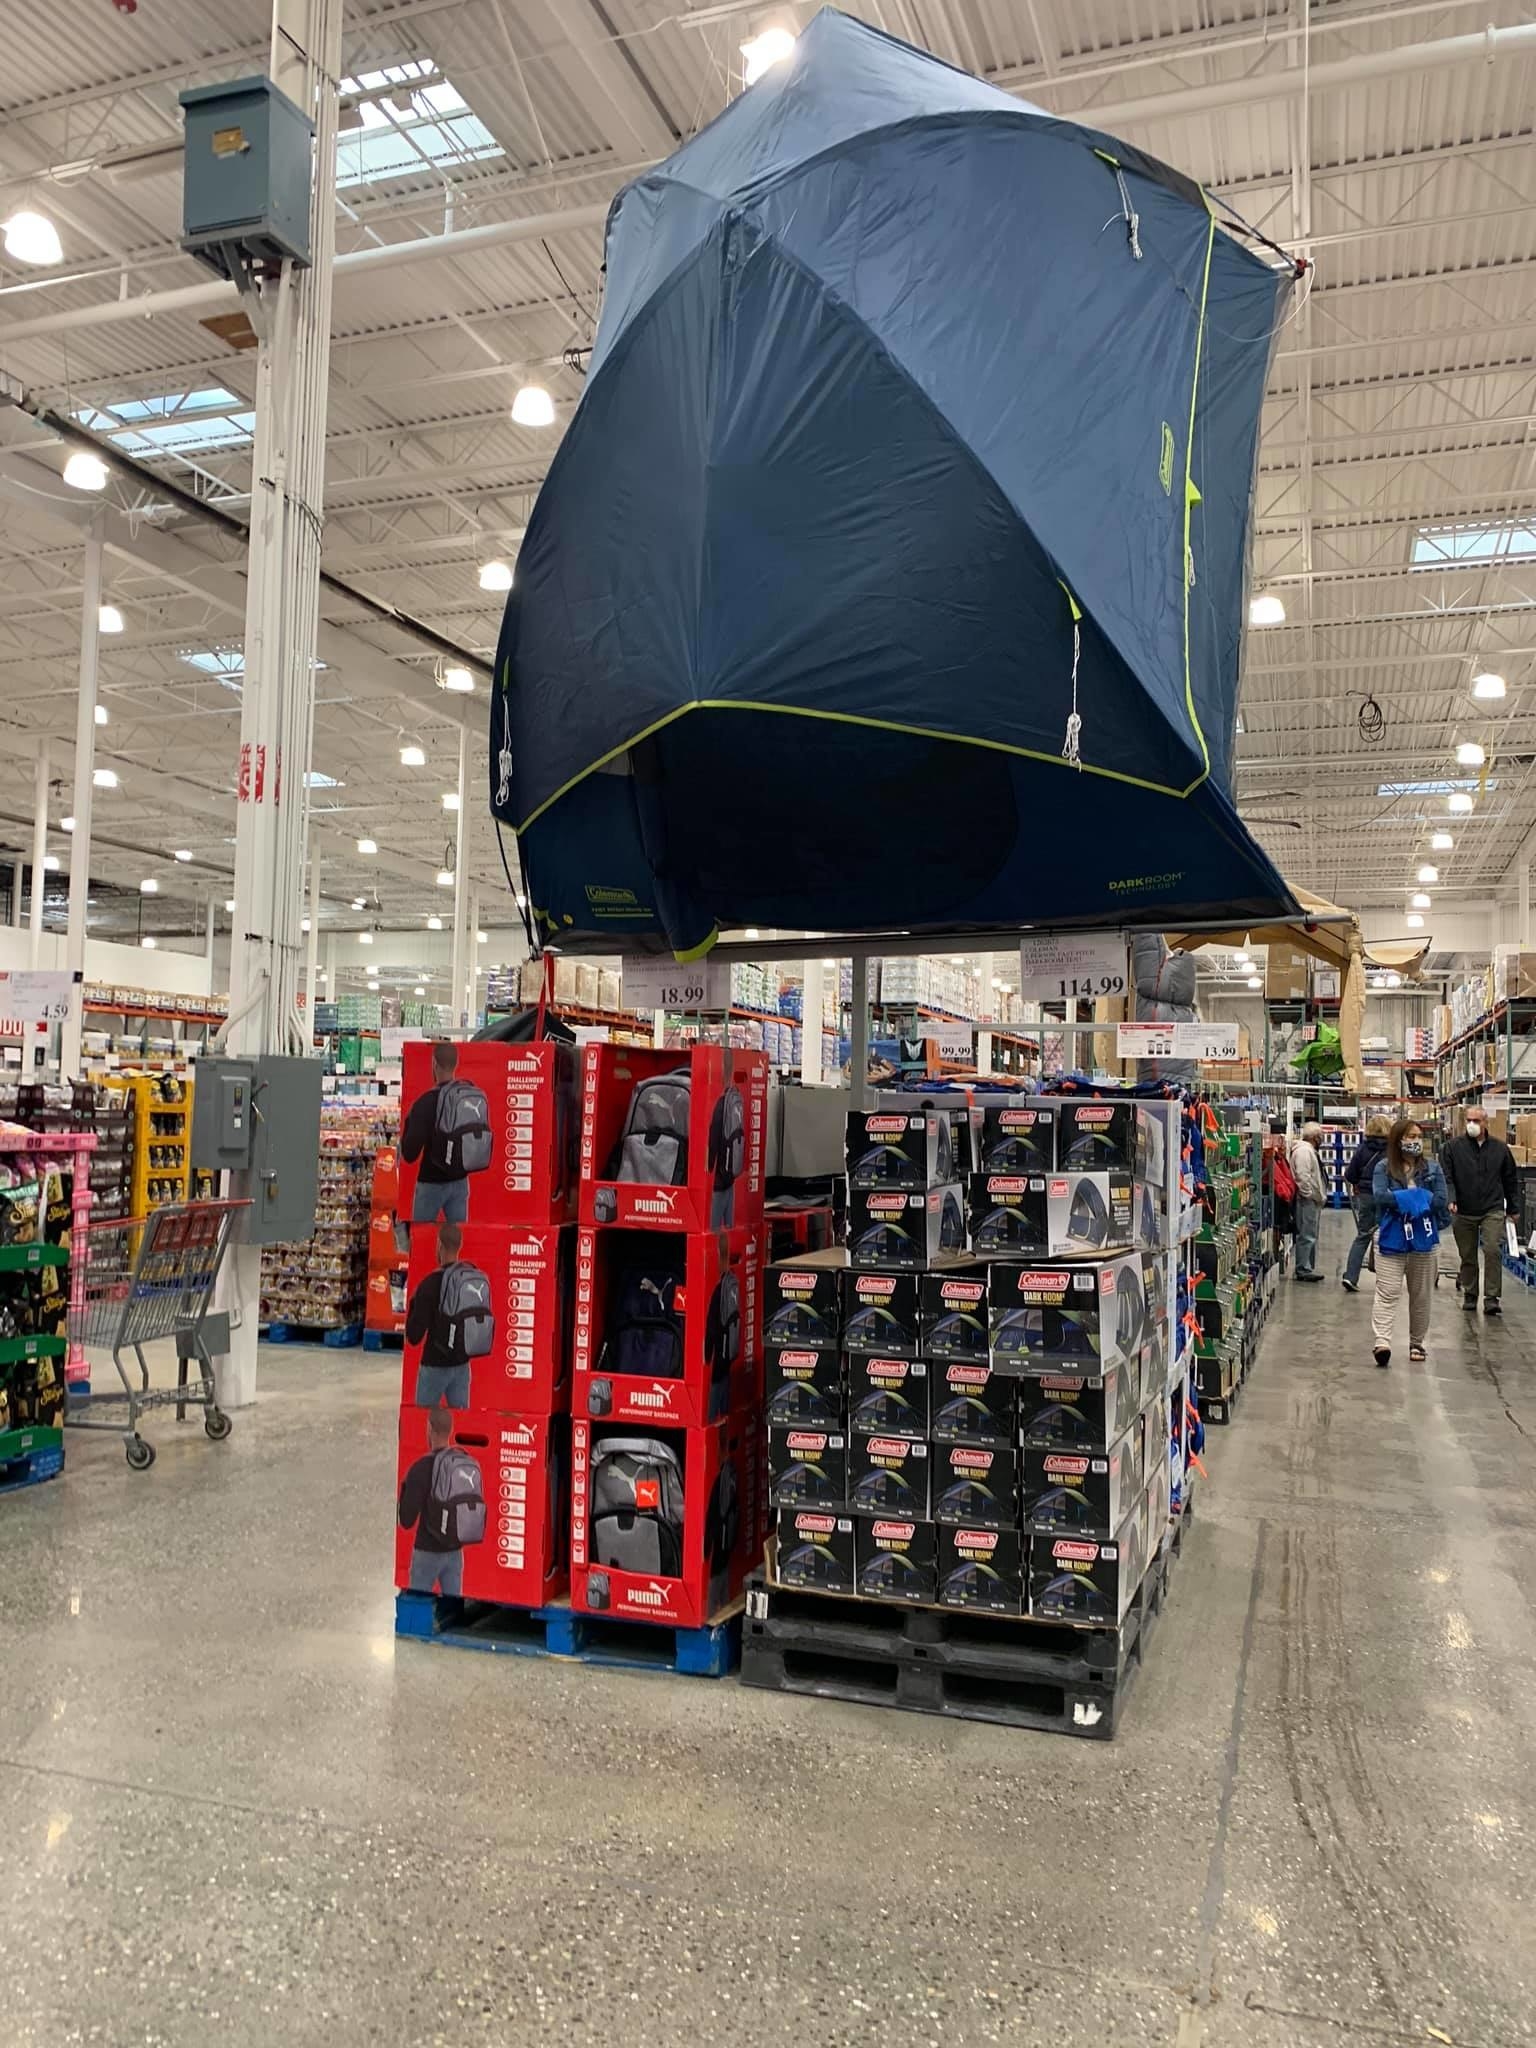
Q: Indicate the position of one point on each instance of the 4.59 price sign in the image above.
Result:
(1055, 967)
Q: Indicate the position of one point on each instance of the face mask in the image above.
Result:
(1474, 1130)
(1413, 1147)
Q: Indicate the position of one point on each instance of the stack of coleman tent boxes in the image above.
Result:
(989, 1428)
(667, 1505)
(487, 1188)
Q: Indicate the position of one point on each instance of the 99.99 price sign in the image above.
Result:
(1056, 967)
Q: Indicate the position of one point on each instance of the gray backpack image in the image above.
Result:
(465, 1325)
(728, 1138)
(653, 1147)
(458, 1504)
(461, 1130)
(637, 1506)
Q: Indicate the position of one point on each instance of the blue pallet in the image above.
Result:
(344, 1339)
(559, 1631)
(1523, 1268)
(383, 1340)
(31, 1470)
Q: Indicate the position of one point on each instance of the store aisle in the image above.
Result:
(232, 1806)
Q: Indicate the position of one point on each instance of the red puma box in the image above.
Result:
(480, 1505)
(667, 1327)
(487, 1317)
(673, 1141)
(665, 1523)
(488, 1133)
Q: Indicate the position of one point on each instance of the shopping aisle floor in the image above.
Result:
(233, 1808)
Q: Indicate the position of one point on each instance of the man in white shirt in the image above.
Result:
(1311, 1198)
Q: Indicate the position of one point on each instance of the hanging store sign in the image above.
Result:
(952, 1041)
(1055, 967)
(35, 996)
(1145, 1041)
(663, 985)
(1194, 1041)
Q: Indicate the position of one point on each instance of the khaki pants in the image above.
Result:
(1489, 1232)
(1393, 1269)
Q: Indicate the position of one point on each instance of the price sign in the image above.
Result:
(663, 985)
(1056, 966)
(1205, 1041)
(36, 996)
(394, 1038)
(952, 1041)
(1145, 1041)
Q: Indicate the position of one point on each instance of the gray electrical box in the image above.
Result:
(258, 1117)
(246, 175)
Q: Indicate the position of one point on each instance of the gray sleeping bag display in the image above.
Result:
(1165, 994)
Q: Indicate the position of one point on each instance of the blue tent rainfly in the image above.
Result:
(891, 574)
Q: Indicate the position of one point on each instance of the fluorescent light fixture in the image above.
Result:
(1255, 981)
(1489, 686)
(533, 407)
(482, 938)
(1414, 922)
(373, 988)
(1428, 872)
(303, 924)
(182, 853)
(1470, 754)
(365, 938)
(104, 778)
(1394, 981)
(101, 714)
(434, 924)
(66, 824)
(1266, 610)
(147, 943)
(495, 575)
(1458, 801)
(450, 799)
(33, 238)
(367, 846)
(85, 472)
(1419, 900)
(316, 779)
(1442, 842)
(359, 902)
(751, 932)
(149, 886)
(51, 863)
(522, 904)
(413, 757)
(108, 619)
(459, 680)
(420, 990)
(762, 52)
(445, 878)
(229, 905)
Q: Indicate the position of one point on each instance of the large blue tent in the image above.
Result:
(915, 459)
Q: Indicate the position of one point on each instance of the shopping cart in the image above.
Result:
(135, 1281)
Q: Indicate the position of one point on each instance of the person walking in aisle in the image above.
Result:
(1358, 1176)
(1484, 1185)
(1412, 1205)
(1311, 1196)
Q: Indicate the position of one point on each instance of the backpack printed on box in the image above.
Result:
(464, 1325)
(637, 1506)
(728, 1137)
(722, 1330)
(457, 1506)
(653, 1147)
(461, 1129)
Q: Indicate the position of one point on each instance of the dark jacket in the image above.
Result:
(420, 1121)
(1482, 1178)
(421, 1320)
(415, 1499)
(1361, 1170)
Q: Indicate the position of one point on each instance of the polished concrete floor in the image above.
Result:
(234, 1810)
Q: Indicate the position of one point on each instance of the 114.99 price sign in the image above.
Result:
(1055, 967)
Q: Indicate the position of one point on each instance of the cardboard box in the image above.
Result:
(971, 1403)
(1017, 1138)
(888, 1475)
(480, 1505)
(1094, 1136)
(1089, 1212)
(953, 1311)
(1007, 1213)
(666, 1327)
(1081, 1316)
(1078, 1414)
(1285, 973)
(488, 1318)
(814, 1549)
(974, 1485)
(803, 1304)
(897, 1560)
(1087, 1492)
(698, 1568)
(887, 1396)
(808, 1467)
(805, 1389)
(897, 1231)
(912, 1149)
(882, 1312)
(984, 1570)
(628, 1176)
(1086, 1578)
(488, 1133)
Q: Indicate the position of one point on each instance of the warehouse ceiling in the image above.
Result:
(1396, 502)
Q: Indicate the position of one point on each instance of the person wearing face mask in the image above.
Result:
(1484, 1185)
(1412, 1205)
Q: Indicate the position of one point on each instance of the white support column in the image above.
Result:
(208, 932)
(39, 849)
(472, 949)
(17, 871)
(312, 957)
(85, 769)
(456, 971)
(812, 997)
(858, 1030)
(1524, 934)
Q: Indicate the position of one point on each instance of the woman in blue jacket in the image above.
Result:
(1412, 1207)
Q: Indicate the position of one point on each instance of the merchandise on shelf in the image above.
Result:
(321, 1281)
(388, 1248)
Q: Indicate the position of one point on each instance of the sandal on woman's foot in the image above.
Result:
(1417, 1354)
(1382, 1355)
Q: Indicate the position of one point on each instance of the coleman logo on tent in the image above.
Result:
(815, 1525)
(969, 1375)
(1060, 1466)
(797, 1361)
(1058, 1189)
(1068, 1552)
(1033, 1281)
(976, 1540)
(806, 1440)
(881, 1126)
(965, 1292)
(892, 1447)
(893, 1532)
(874, 1287)
(887, 1205)
(963, 1458)
(797, 1283)
(1060, 1386)
(888, 1368)
(1008, 1184)
(1018, 1119)
(1090, 1113)
(1106, 1282)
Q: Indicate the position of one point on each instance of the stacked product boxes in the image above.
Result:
(487, 1187)
(666, 1498)
(388, 1249)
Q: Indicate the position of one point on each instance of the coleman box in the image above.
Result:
(1077, 1316)
(808, 1467)
(953, 1308)
(1086, 1578)
(805, 1388)
(803, 1304)
(814, 1550)
(673, 1141)
(666, 1326)
(895, 1230)
(1018, 1139)
(896, 1557)
(1089, 1212)
(983, 1569)
(487, 1317)
(888, 1148)
(1079, 1414)
(480, 1505)
(1087, 1492)
(887, 1396)
(975, 1483)
(1100, 1137)
(888, 1475)
(488, 1131)
(1007, 1213)
(882, 1312)
(971, 1403)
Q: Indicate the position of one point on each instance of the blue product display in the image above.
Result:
(898, 378)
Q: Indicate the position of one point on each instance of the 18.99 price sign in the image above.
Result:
(663, 985)
(1055, 967)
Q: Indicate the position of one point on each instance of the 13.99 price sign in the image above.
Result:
(1054, 967)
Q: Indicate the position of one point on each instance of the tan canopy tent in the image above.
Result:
(1333, 936)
